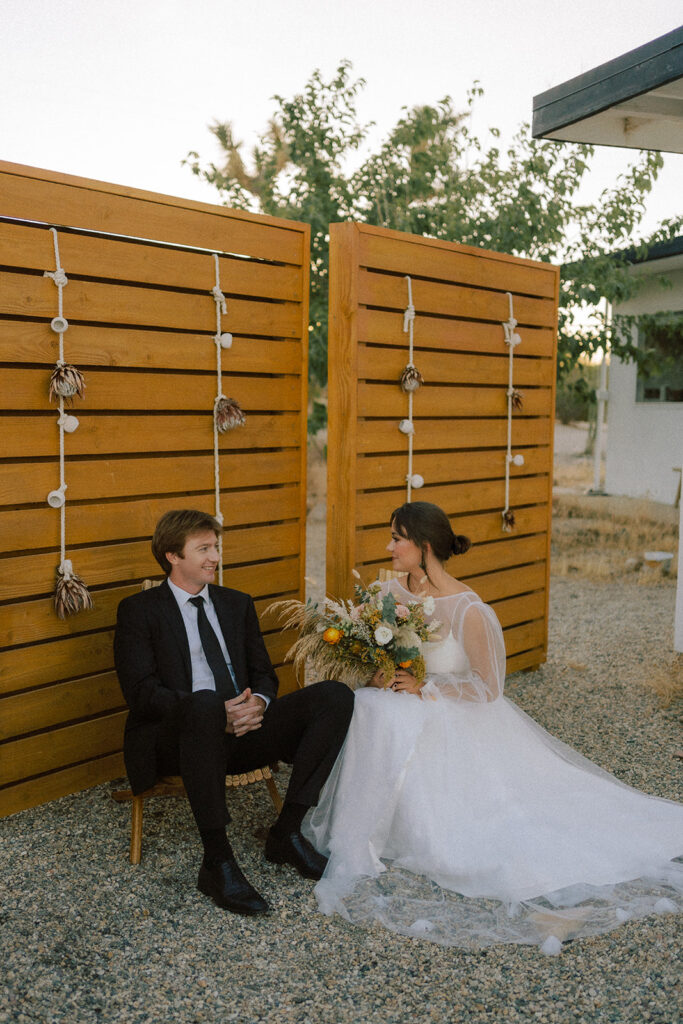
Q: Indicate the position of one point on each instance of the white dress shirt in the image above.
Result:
(202, 676)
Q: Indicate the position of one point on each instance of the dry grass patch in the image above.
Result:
(605, 538)
(667, 682)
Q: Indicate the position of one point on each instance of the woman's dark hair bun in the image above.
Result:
(425, 523)
(461, 544)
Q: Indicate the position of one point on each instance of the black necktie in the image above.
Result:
(226, 687)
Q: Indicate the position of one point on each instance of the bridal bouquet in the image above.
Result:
(350, 640)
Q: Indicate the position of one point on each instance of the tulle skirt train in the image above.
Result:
(469, 824)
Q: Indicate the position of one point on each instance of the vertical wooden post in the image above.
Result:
(303, 407)
(342, 408)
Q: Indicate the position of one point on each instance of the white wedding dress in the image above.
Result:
(457, 818)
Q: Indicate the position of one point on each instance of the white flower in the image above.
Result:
(383, 635)
(428, 605)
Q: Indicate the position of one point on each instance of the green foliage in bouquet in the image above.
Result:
(350, 640)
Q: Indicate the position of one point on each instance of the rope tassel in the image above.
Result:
(514, 401)
(66, 382)
(228, 414)
(411, 380)
(71, 593)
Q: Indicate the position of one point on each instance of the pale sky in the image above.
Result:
(120, 90)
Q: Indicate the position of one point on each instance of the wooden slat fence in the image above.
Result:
(460, 414)
(141, 326)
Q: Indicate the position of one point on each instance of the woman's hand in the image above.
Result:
(401, 682)
(405, 682)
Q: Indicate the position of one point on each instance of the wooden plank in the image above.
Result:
(371, 542)
(23, 668)
(181, 475)
(35, 620)
(499, 554)
(58, 704)
(342, 405)
(441, 467)
(29, 193)
(288, 680)
(527, 659)
(303, 421)
(491, 587)
(27, 575)
(522, 638)
(278, 644)
(99, 523)
(33, 341)
(381, 327)
(45, 752)
(31, 247)
(28, 295)
(377, 400)
(31, 436)
(373, 507)
(454, 264)
(60, 783)
(117, 389)
(513, 582)
(453, 433)
(514, 610)
(387, 292)
(387, 364)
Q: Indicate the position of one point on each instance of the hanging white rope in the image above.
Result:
(221, 307)
(227, 413)
(410, 381)
(514, 400)
(71, 593)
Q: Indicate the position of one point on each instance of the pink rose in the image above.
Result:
(401, 611)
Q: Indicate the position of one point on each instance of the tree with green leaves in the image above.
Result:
(433, 176)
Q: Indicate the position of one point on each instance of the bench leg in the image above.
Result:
(274, 794)
(136, 830)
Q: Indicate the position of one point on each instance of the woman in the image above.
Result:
(451, 814)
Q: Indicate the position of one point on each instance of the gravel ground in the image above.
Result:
(85, 937)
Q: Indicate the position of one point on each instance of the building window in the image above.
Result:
(661, 378)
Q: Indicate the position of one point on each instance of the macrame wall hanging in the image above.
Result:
(411, 380)
(515, 401)
(227, 412)
(66, 382)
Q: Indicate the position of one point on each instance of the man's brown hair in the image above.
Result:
(175, 527)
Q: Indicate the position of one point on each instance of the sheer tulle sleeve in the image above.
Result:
(477, 673)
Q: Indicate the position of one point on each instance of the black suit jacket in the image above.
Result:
(152, 658)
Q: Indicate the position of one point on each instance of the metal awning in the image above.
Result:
(635, 100)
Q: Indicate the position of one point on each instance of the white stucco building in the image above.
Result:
(635, 100)
(645, 415)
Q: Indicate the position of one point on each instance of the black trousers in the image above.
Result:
(305, 729)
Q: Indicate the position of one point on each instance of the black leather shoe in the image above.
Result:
(227, 886)
(295, 849)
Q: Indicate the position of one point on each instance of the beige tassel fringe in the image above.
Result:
(229, 414)
(66, 382)
(508, 520)
(71, 594)
(411, 379)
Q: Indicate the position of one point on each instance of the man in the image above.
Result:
(202, 694)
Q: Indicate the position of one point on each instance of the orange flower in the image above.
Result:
(332, 635)
(405, 664)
